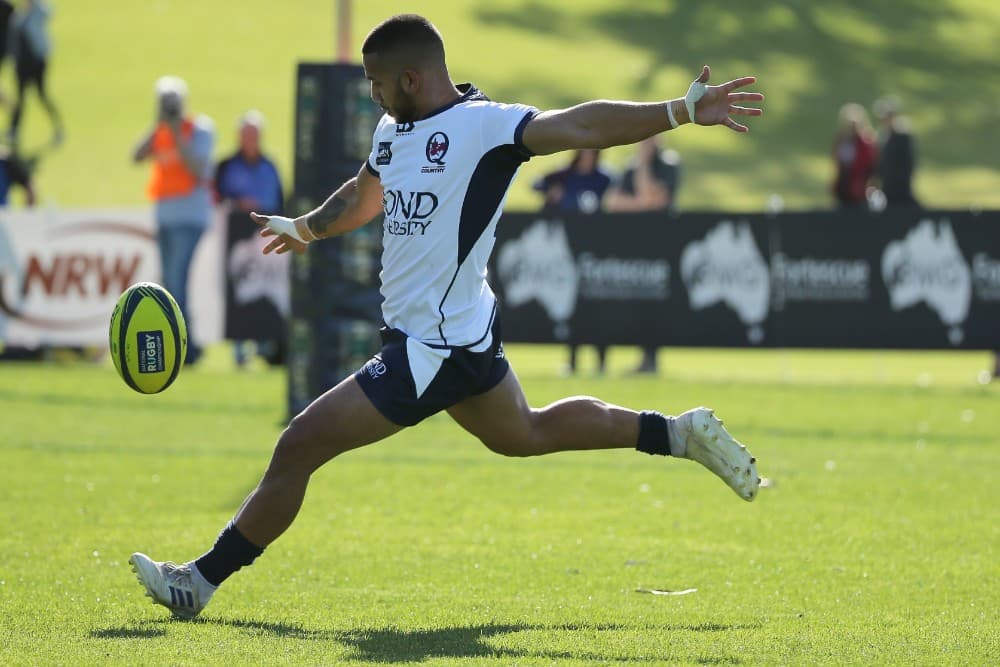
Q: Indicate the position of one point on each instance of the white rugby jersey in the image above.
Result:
(445, 178)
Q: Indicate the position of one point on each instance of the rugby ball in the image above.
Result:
(148, 338)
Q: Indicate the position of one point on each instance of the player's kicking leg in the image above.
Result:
(340, 420)
(503, 421)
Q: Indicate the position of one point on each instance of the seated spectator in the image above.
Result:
(579, 188)
(650, 183)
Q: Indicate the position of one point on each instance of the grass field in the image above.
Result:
(940, 58)
(878, 543)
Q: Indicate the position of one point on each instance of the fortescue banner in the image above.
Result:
(920, 279)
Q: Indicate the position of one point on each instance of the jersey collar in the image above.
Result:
(469, 92)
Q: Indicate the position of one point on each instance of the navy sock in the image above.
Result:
(654, 438)
(231, 552)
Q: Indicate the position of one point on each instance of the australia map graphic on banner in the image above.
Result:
(903, 279)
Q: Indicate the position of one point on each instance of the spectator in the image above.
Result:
(649, 184)
(897, 155)
(249, 181)
(31, 49)
(579, 188)
(14, 171)
(180, 147)
(855, 155)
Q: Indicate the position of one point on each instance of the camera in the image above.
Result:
(170, 106)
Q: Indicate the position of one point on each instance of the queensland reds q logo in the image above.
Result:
(437, 147)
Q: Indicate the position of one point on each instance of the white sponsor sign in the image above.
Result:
(986, 277)
(255, 275)
(539, 265)
(727, 267)
(818, 279)
(927, 266)
(62, 271)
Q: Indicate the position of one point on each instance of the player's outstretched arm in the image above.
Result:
(353, 204)
(603, 123)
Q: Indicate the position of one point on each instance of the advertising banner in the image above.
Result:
(62, 271)
(258, 300)
(913, 279)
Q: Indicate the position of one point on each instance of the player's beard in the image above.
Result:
(404, 108)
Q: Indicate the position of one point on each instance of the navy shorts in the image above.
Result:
(409, 381)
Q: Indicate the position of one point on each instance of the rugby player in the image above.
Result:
(443, 157)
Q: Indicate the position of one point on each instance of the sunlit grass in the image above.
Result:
(875, 544)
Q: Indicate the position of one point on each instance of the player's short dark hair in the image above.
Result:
(409, 34)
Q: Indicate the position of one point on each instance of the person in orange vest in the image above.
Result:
(179, 147)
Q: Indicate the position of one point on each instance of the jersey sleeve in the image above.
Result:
(378, 145)
(504, 124)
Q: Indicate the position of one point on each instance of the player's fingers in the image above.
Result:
(259, 219)
(706, 72)
(746, 97)
(745, 111)
(735, 127)
(739, 83)
(275, 243)
(267, 231)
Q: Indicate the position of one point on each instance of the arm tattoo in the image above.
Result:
(319, 221)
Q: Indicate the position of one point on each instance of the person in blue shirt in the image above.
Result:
(579, 188)
(248, 181)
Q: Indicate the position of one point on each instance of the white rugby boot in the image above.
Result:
(699, 435)
(176, 587)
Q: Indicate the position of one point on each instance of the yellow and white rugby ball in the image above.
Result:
(148, 338)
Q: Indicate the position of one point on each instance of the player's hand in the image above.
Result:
(716, 105)
(273, 225)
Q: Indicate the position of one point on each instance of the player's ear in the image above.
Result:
(409, 81)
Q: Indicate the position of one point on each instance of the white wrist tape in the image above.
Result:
(670, 116)
(282, 225)
(694, 93)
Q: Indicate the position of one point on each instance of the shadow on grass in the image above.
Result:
(392, 645)
(146, 630)
(397, 645)
(158, 628)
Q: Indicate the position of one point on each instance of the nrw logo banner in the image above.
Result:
(897, 279)
(62, 271)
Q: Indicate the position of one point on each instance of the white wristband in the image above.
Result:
(282, 225)
(694, 93)
(670, 115)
